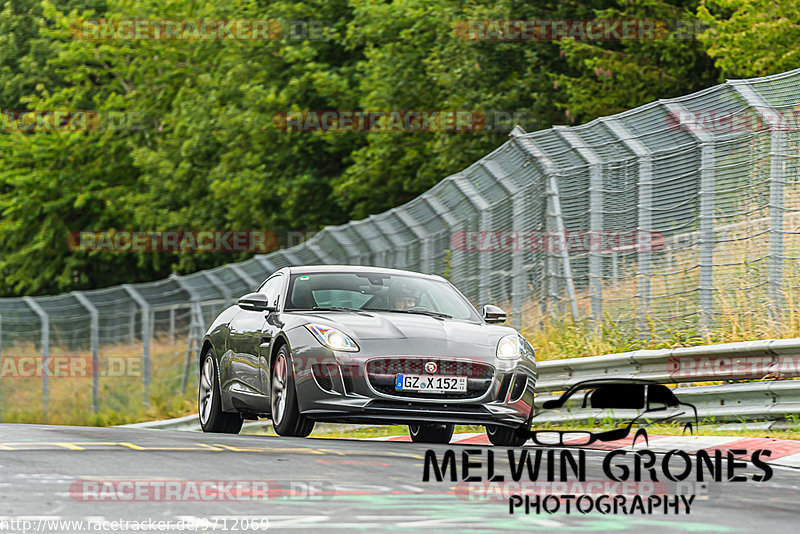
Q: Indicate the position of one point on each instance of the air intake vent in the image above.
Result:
(520, 381)
(322, 375)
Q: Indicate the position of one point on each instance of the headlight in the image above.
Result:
(509, 347)
(332, 338)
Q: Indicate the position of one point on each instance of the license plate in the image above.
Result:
(430, 384)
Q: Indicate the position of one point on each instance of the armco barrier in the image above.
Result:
(754, 360)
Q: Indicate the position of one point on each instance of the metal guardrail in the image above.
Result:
(726, 361)
(739, 402)
(745, 401)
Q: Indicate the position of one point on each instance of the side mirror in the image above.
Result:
(551, 404)
(493, 314)
(255, 302)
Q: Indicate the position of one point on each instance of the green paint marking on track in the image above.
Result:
(447, 508)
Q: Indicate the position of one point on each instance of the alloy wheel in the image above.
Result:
(206, 396)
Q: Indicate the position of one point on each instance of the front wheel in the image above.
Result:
(209, 401)
(286, 417)
(431, 433)
(503, 436)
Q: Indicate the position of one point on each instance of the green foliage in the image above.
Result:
(207, 154)
(750, 38)
(609, 77)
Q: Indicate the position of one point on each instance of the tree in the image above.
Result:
(612, 76)
(750, 38)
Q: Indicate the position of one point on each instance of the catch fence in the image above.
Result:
(668, 215)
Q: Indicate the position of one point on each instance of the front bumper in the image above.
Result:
(348, 388)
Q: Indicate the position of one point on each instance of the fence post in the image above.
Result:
(290, 257)
(1, 361)
(553, 208)
(382, 254)
(706, 217)
(222, 288)
(172, 325)
(452, 223)
(375, 252)
(195, 326)
(777, 177)
(555, 204)
(643, 255)
(195, 334)
(132, 324)
(45, 340)
(312, 245)
(595, 216)
(776, 210)
(425, 255)
(268, 266)
(517, 210)
(397, 244)
(146, 335)
(94, 341)
(485, 224)
(252, 285)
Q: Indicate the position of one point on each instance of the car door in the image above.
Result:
(269, 329)
(245, 339)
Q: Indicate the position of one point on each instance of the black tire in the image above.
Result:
(287, 419)
(431, 433)
(209, 401)
(503, 436)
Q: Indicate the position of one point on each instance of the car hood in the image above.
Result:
(366, 326)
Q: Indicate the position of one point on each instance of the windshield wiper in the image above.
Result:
(415, 312)
(326, 308)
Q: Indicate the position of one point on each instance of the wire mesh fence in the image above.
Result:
(668, 214)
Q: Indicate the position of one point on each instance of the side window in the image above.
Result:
(272, 289)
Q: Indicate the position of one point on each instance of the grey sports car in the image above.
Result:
(365, 345)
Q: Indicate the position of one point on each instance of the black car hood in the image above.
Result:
(413, 327)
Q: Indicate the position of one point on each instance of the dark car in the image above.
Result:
(365, 345)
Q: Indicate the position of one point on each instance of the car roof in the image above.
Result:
(309, 269)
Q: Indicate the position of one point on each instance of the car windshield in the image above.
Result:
(377, 292)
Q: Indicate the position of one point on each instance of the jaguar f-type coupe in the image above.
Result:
(368, 345)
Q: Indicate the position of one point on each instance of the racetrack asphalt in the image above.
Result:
(52, 473)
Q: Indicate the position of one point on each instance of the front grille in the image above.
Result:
(381, 374)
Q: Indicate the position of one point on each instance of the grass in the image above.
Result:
(121, 398)
(121, 389)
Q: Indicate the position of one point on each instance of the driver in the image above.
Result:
(404, 299)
